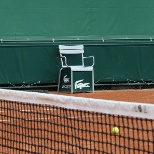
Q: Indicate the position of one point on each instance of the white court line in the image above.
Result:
(53, 118)
(30, 110)
(36, 110)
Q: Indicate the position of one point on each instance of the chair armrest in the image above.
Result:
(92, 58)
(63, 57)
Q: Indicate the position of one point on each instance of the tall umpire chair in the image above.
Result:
(74, 76)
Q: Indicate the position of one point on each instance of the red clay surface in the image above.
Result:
(30, 131)
(141, 96)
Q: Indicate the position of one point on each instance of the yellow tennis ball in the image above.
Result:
(115, 130)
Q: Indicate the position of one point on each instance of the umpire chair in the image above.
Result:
(74, 76)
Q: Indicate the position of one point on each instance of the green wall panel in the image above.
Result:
(81, 21)
(88, 19)
(123, 63)
(28, 65)
(38, 63)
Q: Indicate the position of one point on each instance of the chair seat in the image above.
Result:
(80, 68)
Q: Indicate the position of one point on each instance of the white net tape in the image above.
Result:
(97, 105)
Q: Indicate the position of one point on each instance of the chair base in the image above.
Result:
(76, 81)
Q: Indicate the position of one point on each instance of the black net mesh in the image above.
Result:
(43, 129)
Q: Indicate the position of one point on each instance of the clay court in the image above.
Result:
(77, 46)
(141, 96)
(45, 129)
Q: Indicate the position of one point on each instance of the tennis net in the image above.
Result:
(37, 123)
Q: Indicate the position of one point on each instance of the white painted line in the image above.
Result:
(53, 118)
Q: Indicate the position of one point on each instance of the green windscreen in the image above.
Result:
(71, 19)
(30, 32)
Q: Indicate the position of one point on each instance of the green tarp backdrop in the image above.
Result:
(48, 19)
(118, 33)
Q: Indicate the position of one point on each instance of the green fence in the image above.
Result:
(36, 63)
(118, 33)
(89, 19)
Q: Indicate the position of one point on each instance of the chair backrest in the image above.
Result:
(73, 54)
